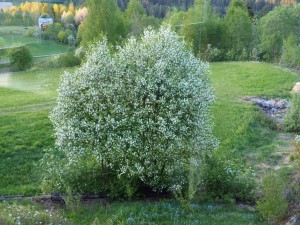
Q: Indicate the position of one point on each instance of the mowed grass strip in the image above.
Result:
(239, 125)
(26, 99)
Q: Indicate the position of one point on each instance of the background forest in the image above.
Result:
(234, 32)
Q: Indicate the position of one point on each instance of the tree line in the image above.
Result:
(238, 35)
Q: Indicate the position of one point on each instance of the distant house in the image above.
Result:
(43, 22)
(6, 5)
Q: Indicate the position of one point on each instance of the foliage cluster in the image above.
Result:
(106, 19)
(291, 53)
(228, 179)
(27, 13)
(274, 204)
(20, 58)
(68, 59)
(233, 37)
(281, 190)
(277, 26)
(292, 118)
(142, 114)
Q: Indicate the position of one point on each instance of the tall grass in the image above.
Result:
(164, 212)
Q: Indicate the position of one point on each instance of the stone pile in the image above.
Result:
(273, 108)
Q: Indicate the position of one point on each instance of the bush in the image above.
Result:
(292, 118)
(291, 52)
(274, 203)
(20, 59)
(64, 60)
(68, 60)
(61, 36)
(224, 178)
(237, 55)
(29, 32)
(141, 113)
(212, 54)
(83, 177)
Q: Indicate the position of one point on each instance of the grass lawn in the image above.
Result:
(26, 98)
(163, 213)
(14, 36)
(25, 102)
(240, 126)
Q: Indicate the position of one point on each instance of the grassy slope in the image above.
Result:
(240, 125)
(25, 102)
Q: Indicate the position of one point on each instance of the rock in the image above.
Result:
(295, 220)
(273, 108)
(296, 88)
(281, 104)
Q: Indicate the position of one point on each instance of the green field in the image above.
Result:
(25, 103)
(15, 36)
(237, 122)
(26, 98)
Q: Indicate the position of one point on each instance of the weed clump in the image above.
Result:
(225, 178)
(292, 119)
(274, 204)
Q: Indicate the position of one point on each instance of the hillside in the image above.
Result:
(28, 97)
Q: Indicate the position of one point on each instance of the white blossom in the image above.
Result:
(143, 110)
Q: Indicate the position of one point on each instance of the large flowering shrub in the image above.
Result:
(141, 112)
